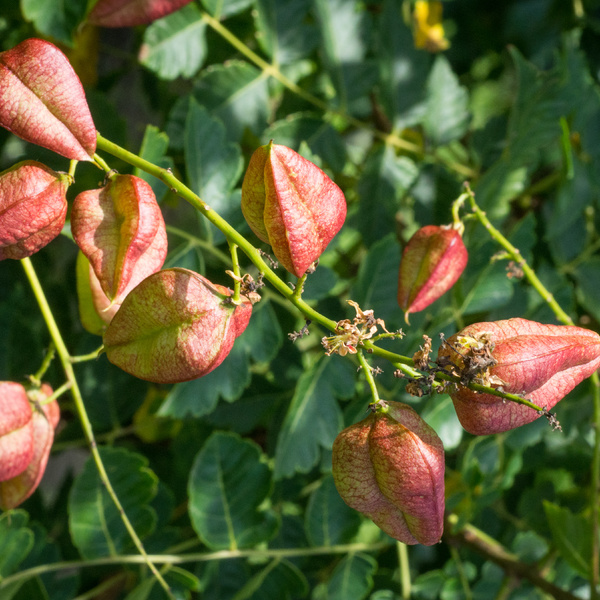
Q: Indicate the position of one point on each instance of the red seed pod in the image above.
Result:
(16, 430)
(390, 466)
(542, 363)
(121, 230)
(175, 326)
(33, 206)
(44, 420)
(292, 205)
(43, 102)
(432, 262)
(128, 13)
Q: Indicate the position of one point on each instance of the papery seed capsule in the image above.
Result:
(542, 363)
(390, 466)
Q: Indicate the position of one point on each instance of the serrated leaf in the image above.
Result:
(49, 111)
(571, 534)
(439, 413)
(214, 165)
(263, 337)
(236, 93)
(447, 105)
(314, 418)
(283, 31)
(385, 178)
(587, 275)
(329, 520)
(94, 521)
(17, 540)
(352, 579)
(220, 9)
(154, 147)
(228, 482)
(280, 579)
(175, 46)
(55, 19)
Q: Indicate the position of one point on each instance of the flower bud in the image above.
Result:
(541, 363)
(44, 420)
(175, 326)
(33, 206)
(292, 205)
(390, 466)
(432, 261)
(16, 430)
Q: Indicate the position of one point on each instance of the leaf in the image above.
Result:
(571, 534)
(175, 326)
(587, 274)
(49, 111)
(55, 19)
(236, 93)
(343, 27)
(228, 482)
(94, 521)
(214, 165)
(384, 180)
(314, 418)
(128, 13)
(17, 540)
(352, 578)
(176, 45)
(283, 30)
(328, 519)
(280, 579)
(439, 413)
(221, 9)
(121, 230)
(447, 105)
(154, 149)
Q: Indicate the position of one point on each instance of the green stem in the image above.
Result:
(67, 365)
(368, 376)
(405, 582)
(170, 559)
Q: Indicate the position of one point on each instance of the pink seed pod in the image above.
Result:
(541, 363)
(292, 205)
(43, 102)
(390, 466)
(432, 262)
(16, 430)
(128, 13)
(44, 420)
(175, 326)
(33, 206)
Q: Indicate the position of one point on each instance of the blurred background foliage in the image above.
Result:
(504, 95)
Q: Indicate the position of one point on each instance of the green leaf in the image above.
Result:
(214, 165)
(94, 521)
(343, 28)
(220, 9)
(587, 275)
(402, 68)
(16, 540)
(439, 413)
(447, 107)
(283, 30)
(279, 579)
(386, 177)
(571, 534)
(352, 579)
(228, 482)
(154, 149)
(263, 337)
(175, 46)
(55, 19)
(237, 93)
(329, 520)
(314, 418)
(200, 396)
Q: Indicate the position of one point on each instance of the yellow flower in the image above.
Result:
(427, 26)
